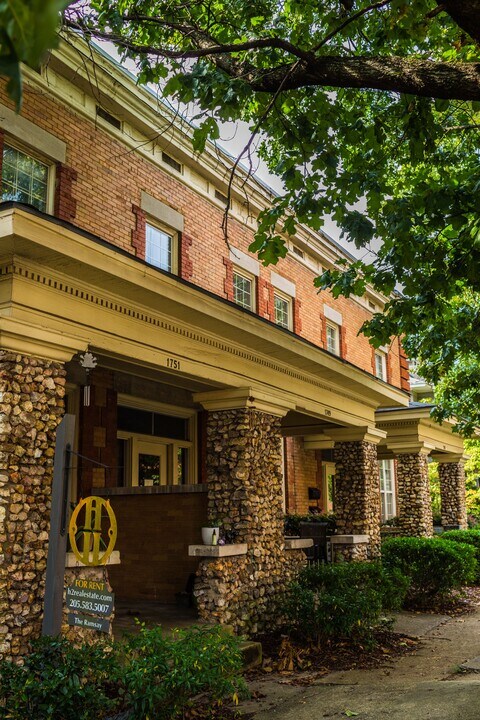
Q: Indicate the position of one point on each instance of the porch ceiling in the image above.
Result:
(68, 290)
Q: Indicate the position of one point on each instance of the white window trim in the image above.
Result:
(251, 278)
(36, 155)
(289, 300)
(384, 493)
(335, 327)
(134, 438)
(380, 354)
(154, 223)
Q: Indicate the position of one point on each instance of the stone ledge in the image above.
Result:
(72, 561)
(349, 539)
(217, 550)
(298, 543)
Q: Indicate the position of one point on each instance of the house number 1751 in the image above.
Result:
(173, 363)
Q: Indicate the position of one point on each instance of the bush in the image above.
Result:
(59, 682)
(342, 601)
(469, 537)
(435, 566)
(148, 675)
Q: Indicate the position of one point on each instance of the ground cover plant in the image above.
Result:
(435, 567)
(149, 675)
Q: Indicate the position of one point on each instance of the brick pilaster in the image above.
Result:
(138, 233)
(65, 206)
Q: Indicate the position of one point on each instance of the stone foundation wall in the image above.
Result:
(452, 493)
(414, 503)
(245, 498)
(357, 494)
(31, 407)
(350, 553)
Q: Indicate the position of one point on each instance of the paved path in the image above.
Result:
(428, 684)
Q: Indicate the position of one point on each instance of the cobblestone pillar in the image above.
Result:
(244, 474)
(31, 407)
(451, 471)
(414, 503)
(357, 491)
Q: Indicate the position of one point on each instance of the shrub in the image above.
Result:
(147, 675)
(342, 601)
(469, 537)
(163, 673)
(434, 566)
(59, 682)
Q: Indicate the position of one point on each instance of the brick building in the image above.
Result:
(223, 390)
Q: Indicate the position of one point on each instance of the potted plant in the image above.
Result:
(210, 534)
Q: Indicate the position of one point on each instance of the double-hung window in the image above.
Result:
(387, 489)
(25, 178)
(161, 247)
(244, 289)
(283, 310)
(380, 365)
(333, 338)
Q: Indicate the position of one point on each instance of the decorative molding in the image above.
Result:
(244, 261)
(282, 284)
(159, 211)
(32, 135)
(243, 398)
(333, 315)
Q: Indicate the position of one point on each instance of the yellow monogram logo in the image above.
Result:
(94, 540)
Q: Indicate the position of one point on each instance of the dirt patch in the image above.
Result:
(459, 602)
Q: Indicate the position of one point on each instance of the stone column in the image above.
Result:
(245, 498)
(31, 406)
(357, 491)
(451, 471)
(414, 502)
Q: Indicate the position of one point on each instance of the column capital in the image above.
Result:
(358, 434)
(409, 448)
(444, 458)
(24, 339)
(243, 398)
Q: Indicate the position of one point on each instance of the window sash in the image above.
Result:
(243, 290)
(380, 366)
(24, 178)
(387, 489)
(159, 247)
(333, 339)
(283, 311)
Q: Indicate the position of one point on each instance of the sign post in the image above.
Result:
(57, 542)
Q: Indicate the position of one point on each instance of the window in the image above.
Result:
(160, 248)
(25, 179)
(333, 338)
(381, 365)
(387, 490)
(155, 447)
(283, 310)
(243, 289)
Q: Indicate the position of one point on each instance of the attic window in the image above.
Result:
(298, 252)
(372, 305)
(220, 196)
(109, 118)
(171, 162)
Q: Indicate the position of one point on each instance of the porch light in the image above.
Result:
(88, 362)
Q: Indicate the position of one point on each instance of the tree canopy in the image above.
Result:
(368, 112)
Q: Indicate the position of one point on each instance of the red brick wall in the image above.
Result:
(302, 472)
(101, 182)
(154, 532)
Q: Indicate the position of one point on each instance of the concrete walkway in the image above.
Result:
(428, 684)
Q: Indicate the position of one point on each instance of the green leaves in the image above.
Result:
(27, 30)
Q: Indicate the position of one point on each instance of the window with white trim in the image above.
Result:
(161, 247)
(387, 489)
(380, 365)
(333, 338)
(283, 308)
(155, 446)
(26, 179)
(244, 289)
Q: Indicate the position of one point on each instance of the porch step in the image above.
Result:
(251, 654)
